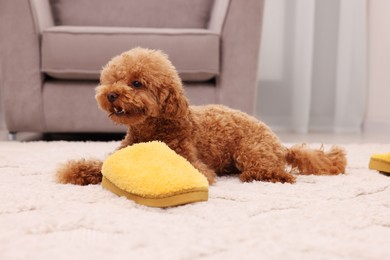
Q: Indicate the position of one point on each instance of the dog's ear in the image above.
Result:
(175, 104)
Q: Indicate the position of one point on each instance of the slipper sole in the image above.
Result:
(169, 200)
(379, 165)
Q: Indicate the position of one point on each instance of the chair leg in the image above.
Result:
(12, 136)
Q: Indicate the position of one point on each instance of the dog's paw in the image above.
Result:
(283, 177)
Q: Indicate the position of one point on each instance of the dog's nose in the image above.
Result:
(112, 96)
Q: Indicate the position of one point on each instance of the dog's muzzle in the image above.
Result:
(111, 97)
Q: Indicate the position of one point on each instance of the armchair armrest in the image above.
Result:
(240, 48)
(20, 24)
(218, 15)
(42, 14)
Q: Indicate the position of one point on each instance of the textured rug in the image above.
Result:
(319, 217)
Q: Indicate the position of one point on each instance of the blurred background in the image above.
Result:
(323, 67)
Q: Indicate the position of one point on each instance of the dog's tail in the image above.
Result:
(307, 161)
(81, 172)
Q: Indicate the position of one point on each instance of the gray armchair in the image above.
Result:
(51, 53)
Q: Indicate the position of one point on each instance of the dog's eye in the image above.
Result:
(136, 84)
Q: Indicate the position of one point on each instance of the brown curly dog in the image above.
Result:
(141, 89)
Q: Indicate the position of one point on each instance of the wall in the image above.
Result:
(1, 120)
(378, 106)
(2, 124)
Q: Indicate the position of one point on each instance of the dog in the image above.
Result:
(142, 90)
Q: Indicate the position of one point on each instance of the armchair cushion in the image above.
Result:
(133, 13)
(78, 52)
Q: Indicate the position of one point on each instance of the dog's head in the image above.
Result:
(139, 84)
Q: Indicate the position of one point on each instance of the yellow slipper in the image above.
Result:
(380, 162)
(153, 175)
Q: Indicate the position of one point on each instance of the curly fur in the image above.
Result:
(81, 172)
(147, 96)
(308, 161)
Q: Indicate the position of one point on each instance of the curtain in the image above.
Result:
(313, 65)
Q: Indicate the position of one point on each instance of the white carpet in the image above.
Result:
(319, 217)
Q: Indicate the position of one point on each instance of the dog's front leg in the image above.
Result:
(205, 170)
(188, 151)
(128, 140)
